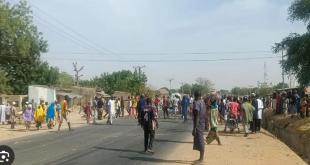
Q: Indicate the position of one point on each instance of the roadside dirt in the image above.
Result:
(256, 149)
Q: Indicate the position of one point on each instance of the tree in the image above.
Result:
(265, 90)
(4, 87)
(186, 88)
(65, 80)
(280, 85)
(206, 84)
(297, 46)
(239, 91)
(225, 92)
(21, 45)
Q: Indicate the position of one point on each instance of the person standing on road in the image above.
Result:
(199, 126)
(140, 106)
(95, 109)
(260, 106)
(65, 114)
(129, 105)
(118, 108)
(87, 111)
(111, 110)
(175, 104)
(2, 113)
(213, 134)
(247, 115)
(148, 121)
(122, 106)
(13, 115)
(134, 106)
(100, 105)
(185, 103)
(165, 107)
(254, 122)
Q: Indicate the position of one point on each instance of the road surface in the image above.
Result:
(121, 143)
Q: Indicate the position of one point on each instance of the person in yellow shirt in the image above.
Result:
(39, 116)
(64, 114)
(134, 106)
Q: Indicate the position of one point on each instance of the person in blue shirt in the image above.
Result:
(140, 106)
(100, 108)
(185, 103)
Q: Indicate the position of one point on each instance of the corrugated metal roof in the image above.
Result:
(70, 95)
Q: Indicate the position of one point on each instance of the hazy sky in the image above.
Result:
(167, 30)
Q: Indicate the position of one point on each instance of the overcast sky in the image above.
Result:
(168, 30)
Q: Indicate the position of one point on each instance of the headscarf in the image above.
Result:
(38, 114)
(28, 115)
(51, 111)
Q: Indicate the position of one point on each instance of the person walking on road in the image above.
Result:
(129, 105)
(28, 117)
(185, 103)
(111, 110)
(165, 107)
(199, 126)
(65, 114)
(38, 116)
(50, 116)
(247, 115)
(148, 121)
(213, 134)
(140, 106)
(87, 111)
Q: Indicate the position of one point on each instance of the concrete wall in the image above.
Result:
(13, 98)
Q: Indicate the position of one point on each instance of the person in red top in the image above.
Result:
(165, 107)
(234, 107)
(156, 102)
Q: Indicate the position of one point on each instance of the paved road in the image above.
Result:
(121, 143)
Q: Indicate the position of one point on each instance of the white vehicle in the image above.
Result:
(4, 156)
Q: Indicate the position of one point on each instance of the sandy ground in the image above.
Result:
(20, 130)
(256, 149)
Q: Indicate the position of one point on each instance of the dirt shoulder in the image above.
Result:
(257, 149)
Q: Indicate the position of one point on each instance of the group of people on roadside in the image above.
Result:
(40, 115)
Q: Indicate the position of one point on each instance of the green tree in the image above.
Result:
(265, 90)
(20, 47)
(206, 84)
(225, 92)
(65, 80)
(297, 46)
(239, 91)
(4, 87)
(280, 85)
(186, 88)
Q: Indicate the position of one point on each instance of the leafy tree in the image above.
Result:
(206, 84)
(20, 47)
(265, 90)
(4, 87)
(297, 46)
(280, 85)
(65, 80)
(239, 91)
(186, 88)
(197, 87)
(225, 92)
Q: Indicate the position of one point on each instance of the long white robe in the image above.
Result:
(260, 108)
(111, 110)
(3, 109)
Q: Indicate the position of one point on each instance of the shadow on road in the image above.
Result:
(155, 160)
(170, 141)
(118, 150)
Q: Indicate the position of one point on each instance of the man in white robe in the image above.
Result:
(3, 110)
(111, 110)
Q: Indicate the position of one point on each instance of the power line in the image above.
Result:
(186, 60)
(165, 54)
(79, 34)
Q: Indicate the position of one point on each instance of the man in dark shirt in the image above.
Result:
(255, 105)
(100, 108)
(148, 120)
(140, 106)
(122, 106)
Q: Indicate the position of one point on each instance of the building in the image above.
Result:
(18, 99)
(163, 92)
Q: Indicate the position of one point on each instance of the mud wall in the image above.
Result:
(294, 132)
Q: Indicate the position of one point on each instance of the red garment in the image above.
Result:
(157, 100)
(233, 108)
(87, 111)
(164, 102)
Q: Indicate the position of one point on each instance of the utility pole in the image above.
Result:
(170, 81)
(182, 87)
(77, 71)
(282, 72)
(139, 72)
(265, 73)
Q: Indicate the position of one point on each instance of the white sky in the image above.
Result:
(172, 27)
